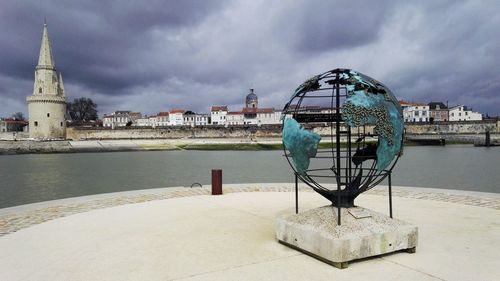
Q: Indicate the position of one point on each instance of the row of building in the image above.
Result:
(437, 112)
(251, 114)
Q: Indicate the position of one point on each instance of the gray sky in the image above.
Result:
(152, 56)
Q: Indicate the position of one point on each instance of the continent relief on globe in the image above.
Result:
(302, 144)
(365, 108)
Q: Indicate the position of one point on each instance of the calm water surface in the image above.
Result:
(40, 177)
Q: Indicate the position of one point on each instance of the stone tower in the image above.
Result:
(47, 105)
(252, 100)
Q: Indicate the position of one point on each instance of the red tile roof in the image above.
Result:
(265, 110)
(403, 102)
(162, 114)
(257, 110)
(249, 110)
(219, 108)
(177, 110)
(13, 121)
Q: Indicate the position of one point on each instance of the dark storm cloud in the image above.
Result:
(151, 56)
(324, 25)
(97, 42)
(457, 54)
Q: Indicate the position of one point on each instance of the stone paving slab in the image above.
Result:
(232, 237)
(16, 218)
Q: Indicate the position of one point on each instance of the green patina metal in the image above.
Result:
(301, 143)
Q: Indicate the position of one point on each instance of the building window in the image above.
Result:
(61, 124)
(48, 114)
(40, 90)
(36, 123)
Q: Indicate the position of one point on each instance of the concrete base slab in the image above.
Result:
(363, 233)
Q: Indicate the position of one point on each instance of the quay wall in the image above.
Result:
(177, 132)
(264, 131)
(465, 127)
(13, 135)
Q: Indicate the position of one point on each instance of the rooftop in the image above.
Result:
(409, 103)
(184, 233)
(177, 110)
(219, 108)
(13, 121)
(437, 105)
(235, 113)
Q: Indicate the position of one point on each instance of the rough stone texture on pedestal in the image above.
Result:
(316, 232)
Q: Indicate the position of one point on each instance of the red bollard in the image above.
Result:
(216, 182)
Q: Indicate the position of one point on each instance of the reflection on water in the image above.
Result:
(40, 177)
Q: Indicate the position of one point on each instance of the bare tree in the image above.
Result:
(18, 116)
(82, 110)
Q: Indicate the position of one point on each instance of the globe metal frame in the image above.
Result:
(350, 179)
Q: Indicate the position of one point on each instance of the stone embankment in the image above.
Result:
(264, 131)
(173, 132)
(29, 146)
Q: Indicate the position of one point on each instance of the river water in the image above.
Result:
(40, 177)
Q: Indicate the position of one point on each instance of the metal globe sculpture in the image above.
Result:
(360, 124)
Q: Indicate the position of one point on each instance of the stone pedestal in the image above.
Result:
(363, 233)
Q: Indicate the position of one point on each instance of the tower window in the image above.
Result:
(36, 123)
(61, 124)
(40, 90)
(48, 114)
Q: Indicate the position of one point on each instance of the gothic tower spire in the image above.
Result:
(45, 59)
(47, 105)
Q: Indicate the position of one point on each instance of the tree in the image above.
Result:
(18, 116)
(82, 110)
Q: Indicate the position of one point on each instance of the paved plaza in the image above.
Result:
(187, 234)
